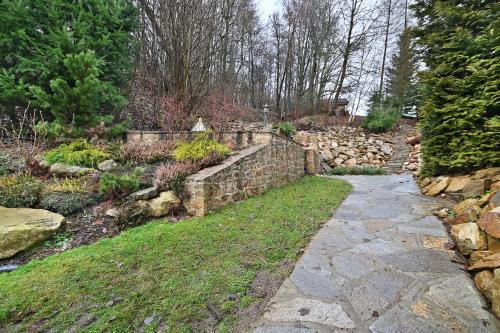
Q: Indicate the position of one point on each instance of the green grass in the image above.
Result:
(172, 270)
(342, 171)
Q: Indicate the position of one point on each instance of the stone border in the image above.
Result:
(251, 171)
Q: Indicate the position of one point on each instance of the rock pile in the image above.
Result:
(348, 146)
(474, 224)
(414, 159)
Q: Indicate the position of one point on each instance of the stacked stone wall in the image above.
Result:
(251, 171)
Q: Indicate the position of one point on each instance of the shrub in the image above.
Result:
(52, 62)
(381, 120)
(4, 164)
(342, 171)
(19, 190)
(66, 203)
(171, 176)
(79, 152)
(286, 129)
(115, 186)
(200, 148)
(147, 152)
(214, 158)
(68, 185)
(131, 215)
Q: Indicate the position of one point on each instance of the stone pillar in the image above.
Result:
(312, 161)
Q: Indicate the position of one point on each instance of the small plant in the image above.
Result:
(381, 120)
(171, 176)
(147, 152)
(59, 240)
(68, 185)
(79, 152)
(19, 190)
(200, 148)
(4, 164)
(342, 171)
(115, 186)
(286, 129)
(214, 158)
(66, 203)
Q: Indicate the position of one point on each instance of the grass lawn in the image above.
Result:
(171, 275)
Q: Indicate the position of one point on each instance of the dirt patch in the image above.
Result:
(264, 286)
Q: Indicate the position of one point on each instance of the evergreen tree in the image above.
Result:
(401, 79)
(43, 44)
(461, 104)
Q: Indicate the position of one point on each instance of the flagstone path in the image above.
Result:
(379, 265)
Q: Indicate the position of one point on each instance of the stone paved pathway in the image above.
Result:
(379, 265)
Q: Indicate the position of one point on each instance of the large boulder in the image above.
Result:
(469, 237)
(464, 205)
(487, 173)
(457, 184)
(61, 169)
(160, 206)
(21, 228)
(493, 292)
(438, 186)
(490, 222)
(490, 262)
(476, 187)
(483, 280)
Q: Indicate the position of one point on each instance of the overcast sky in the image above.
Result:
(267, 7)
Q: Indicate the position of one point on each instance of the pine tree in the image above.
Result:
(461, 103)
(38, 41)
(401, 80)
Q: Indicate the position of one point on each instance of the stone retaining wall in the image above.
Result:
(234, 139)
(251, 171)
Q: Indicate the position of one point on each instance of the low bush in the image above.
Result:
(131, 215)
(214, 158)
(68, 185)
(381, 120)
(4, 164)
(147, 152)
(79, 152)
(66, 203)
(171, 176)
(11, 163)
(116, 186)
(286, 129)
(200, 148)
(19, 190)
(342, 171)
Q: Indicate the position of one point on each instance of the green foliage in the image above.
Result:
(381, 120)
(76, 95)
(60, 239)
(68, 57)
(365, 170)
(68, 185)
(203, 260)
(200, 148)
(4, 164)
(66, 203)
(286, 128)
(402, 86)
(78, 152)
(116, 186)
(19, 190)
(460, 112)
